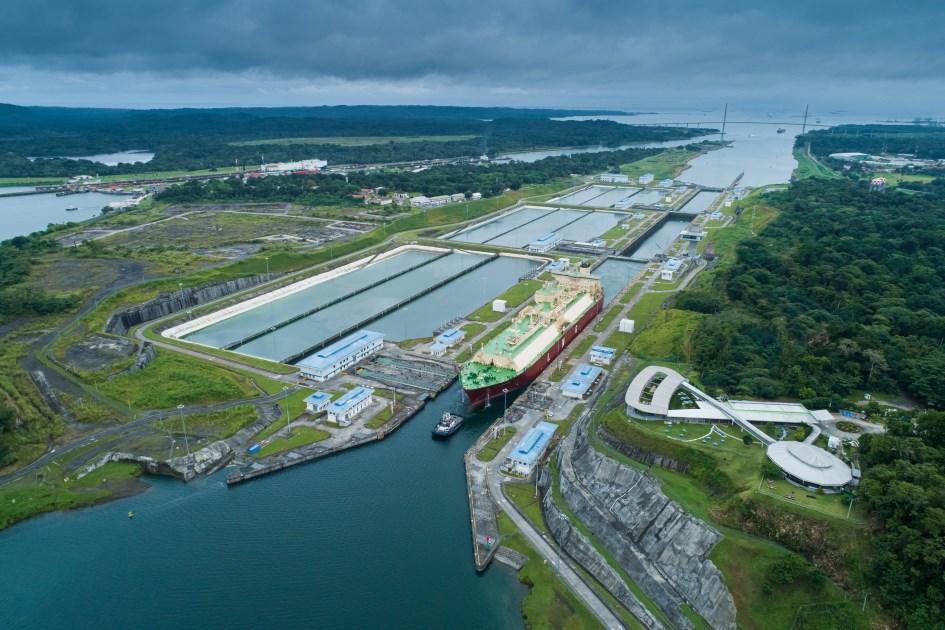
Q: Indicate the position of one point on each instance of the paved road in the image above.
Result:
(550, 553)
(148, 418)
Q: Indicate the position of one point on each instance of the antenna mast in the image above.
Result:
(724, 119)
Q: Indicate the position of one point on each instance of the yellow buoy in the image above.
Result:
(131, 514)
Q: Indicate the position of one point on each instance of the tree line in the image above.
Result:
(202, 139)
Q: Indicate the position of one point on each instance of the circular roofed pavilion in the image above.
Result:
(810, 466)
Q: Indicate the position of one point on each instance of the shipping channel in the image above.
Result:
(397, 288)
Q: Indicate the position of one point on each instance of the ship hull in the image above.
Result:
(483, 395)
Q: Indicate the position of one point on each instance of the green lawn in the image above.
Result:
(808, 167)
(298, 436)
(668, 335)
(221, 424)
(171, 380)
(493, 446)
(22, 500)
(472, 329)
(666, 165)
(513, 297)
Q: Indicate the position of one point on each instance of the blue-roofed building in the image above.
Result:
(580, 381)
(529, 451)
(602, 355)
(348, 406)
(317, 402)
(342, 354)
(546, 242)
(672, 268)
(450, 337)
(559, 265)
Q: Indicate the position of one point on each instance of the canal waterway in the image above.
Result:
(518, 229)
(113, 159)
(417, 319)
(615, 275)
(659, 240)
(26, 214)
(376, 537)
(700, 202)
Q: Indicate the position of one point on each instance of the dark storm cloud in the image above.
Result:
(489, 42)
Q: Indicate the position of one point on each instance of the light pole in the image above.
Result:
(180, 285)
(505, 400)
(285, 397)
(183, 423)
(267, 267)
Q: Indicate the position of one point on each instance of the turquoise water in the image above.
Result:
(615, 275)
(374, 537)
(417, 319)
(660, 240)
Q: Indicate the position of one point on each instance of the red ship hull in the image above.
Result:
(482, 396)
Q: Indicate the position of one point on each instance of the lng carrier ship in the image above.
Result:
(531, 341)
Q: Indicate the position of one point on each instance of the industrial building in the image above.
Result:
(445, 340)
(645, 179)
(317, 402)
(602, 355)
(672, 269)
(580, 381)
(342, 354)
(288, 167)
(343, 410)
(614, 178)
(545, 243)
(529, 451)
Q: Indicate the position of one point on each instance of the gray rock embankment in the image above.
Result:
(662, 547)
(579, 547)
(204, 461)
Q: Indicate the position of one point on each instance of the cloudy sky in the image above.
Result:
(865, 56)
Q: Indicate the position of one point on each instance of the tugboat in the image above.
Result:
(781, 129)
(72, 208)
(448, 425)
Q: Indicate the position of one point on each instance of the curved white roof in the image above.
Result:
(659, 404)
(809, 463)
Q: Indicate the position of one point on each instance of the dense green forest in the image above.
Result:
(201, 139)
(924, 142)
(904, 486)
(16, 298)
(844, 291)
(465, 178)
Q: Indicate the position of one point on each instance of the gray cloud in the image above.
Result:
(601, 48)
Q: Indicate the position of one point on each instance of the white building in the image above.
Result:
(343, 410)
(615, 178)
(286, 167)
(672, 269)
(476, 196)
(666, 183)
(645, 179)
(421, 202)
(499, 306)
(439, 200)
(457, 197)
(329, 361)
(602, 355)
(529, 451)
(317, 402)
(546, 242)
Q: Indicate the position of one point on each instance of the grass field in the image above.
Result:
(170, 380)
(667, 165)
(19, 501)
(298, 436)
(493, 446)
(808, 167)
(218, 424)
(352, 141)
(668, 335)
(894, 179)
(513, 297)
